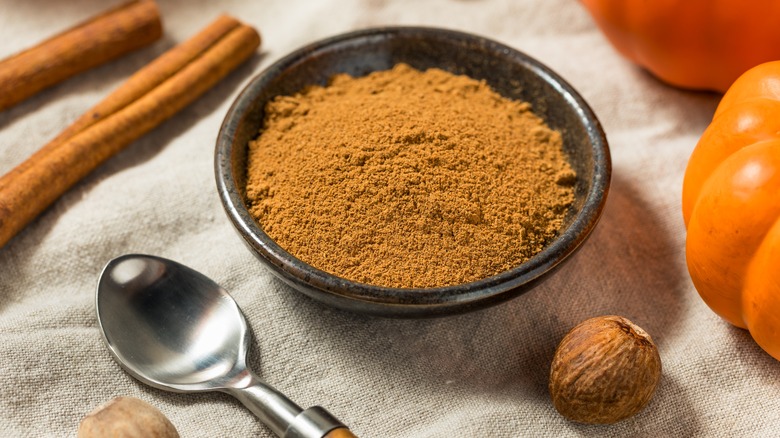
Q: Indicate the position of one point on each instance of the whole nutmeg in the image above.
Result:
(126, 417)
(605, 369)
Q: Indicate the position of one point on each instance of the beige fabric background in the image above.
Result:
(481, 374)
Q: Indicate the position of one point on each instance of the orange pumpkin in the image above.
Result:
(697, 44)
(731, 207)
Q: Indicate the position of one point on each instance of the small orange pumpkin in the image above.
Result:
(697, 44)
(731, 207)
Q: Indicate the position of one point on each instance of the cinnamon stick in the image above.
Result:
(151, 96)
(148, 77)
(94, 42)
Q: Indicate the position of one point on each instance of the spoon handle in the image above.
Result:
(341, 432)
(285, 418)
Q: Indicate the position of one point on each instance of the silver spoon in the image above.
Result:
(173, 328)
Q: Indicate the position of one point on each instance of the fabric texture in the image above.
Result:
(478, 374)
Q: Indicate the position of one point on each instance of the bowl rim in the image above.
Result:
(496, 288)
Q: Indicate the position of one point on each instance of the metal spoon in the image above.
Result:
(175, 329)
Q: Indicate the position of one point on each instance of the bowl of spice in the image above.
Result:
(411, 172)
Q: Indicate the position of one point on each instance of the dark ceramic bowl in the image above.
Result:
(511, 73)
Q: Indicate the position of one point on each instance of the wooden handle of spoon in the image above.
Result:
(341, 432)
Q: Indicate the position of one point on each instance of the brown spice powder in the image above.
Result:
(408, 179)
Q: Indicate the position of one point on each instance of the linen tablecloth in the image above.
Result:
(478, 374)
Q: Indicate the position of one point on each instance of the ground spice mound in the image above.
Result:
(408, 179)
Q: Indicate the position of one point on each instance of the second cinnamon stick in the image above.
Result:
(151, 96)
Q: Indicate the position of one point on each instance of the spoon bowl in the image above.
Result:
(147, 336)
(175, 329)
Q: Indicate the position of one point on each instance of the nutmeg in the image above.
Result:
(126, 417)
(605, 369)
